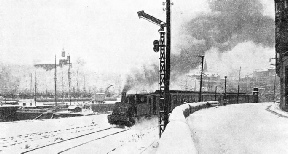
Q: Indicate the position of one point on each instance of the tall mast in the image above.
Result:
(62, 85)
(35, 92)
(69, 78)
(31, 84)
(77, 84)
(55, 78)
(84, 85)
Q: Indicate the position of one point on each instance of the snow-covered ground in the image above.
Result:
(86, 134)
(240, 128)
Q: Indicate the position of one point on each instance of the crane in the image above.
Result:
(106, 90)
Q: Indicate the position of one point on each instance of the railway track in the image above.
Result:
(74, 142)
(32, 137)
(71, 140)
(104, 136)
(35, 142)
(135, 139)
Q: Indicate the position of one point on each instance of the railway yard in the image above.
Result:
(218, 83)
(219, 129)
(87, 134)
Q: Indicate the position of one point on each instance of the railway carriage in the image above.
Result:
(133, 106)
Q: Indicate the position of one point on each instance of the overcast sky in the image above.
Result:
(106, 34)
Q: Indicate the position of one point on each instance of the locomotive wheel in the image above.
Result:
(130, 123)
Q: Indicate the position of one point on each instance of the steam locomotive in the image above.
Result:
(133, 106)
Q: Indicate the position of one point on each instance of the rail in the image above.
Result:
(41, 141)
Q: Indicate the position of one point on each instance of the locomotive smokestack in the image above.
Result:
(123, 96)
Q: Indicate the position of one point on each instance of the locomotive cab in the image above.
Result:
(131, 107)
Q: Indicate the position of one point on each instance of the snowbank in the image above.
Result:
(177, 135)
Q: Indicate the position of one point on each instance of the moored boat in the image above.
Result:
(8, 112)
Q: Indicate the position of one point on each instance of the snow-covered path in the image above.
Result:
(239, 128)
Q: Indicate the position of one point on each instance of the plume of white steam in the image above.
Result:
(247, 55)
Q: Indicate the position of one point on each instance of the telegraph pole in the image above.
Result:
(62, 80)
(201, 76)
(216, 93)
(55, 79)
(168, 51)
(238, 86)
(274, 95)
(35, 90)
(31, 84)
(69, 78)
(225, 87)
(168, 43)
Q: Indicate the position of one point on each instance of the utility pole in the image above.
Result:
(168, 45)
(55, 79)
(216, 93)
(195, 85)
(31, 84)
(275, 86)
(62, 78)
(238, 86)
(35, 95)
(225, 95)
(69, 78)
(84, 89)
(77, 83)
(201, 78)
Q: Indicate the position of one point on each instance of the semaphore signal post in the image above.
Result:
(164, 46)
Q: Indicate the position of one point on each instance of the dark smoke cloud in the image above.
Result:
(129, 84)
(142, 77)
(232, 22)
(229, 23)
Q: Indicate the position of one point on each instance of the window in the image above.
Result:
(141, 99)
